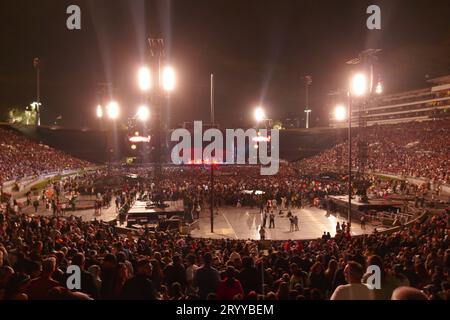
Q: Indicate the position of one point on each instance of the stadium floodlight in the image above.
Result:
(99, 112)
(143, 113)
(358, 85)
(259, 114)
(144, 79)
(168, 79)
(379, 88)
(340, 113)
(113, 110)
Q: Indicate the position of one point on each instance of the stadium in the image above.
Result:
(363, 187)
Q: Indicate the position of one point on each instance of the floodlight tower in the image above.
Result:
(362, 85)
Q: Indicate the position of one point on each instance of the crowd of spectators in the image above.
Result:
(413, 149)
(35, 253)
(21, 157)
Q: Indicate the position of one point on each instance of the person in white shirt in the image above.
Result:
(190, 273)
(354, 290)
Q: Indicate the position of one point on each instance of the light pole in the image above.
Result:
(37, 65)
(100, 116)
(212, 100)
(260, 116)
(308, 83)
(113, 112)
(349, 212)
(212, 196)
(307, 111)
(340, 114)
(358, 88)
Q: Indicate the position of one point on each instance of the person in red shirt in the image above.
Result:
(40, 287)
(230, 287)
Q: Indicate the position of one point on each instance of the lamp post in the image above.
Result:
(37, 66)
(113, 112)
(212, 100)
(308, 83)
(307, 111)
(212, 196)
(260, 116)
(340, 114)
(358, 88)
(349, 115)
(361, 84)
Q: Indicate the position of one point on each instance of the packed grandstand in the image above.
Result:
(21, 158)
(116, 263)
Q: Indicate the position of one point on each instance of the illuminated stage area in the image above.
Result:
(244, 223)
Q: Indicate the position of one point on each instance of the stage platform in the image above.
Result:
(372, 204)
(244, 223)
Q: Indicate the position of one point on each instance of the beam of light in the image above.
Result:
(102, 27)
(138, 13)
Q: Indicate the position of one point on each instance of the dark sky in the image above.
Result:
(258, 50)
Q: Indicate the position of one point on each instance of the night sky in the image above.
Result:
(258, 50)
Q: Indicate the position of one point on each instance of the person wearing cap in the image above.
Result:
(230, 286)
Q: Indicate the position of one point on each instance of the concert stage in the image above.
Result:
(341, 202)
(146, 213)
